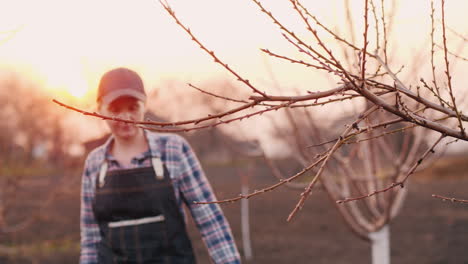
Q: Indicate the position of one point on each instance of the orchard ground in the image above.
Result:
(427, 230)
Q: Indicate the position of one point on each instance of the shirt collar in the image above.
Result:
(151, 138)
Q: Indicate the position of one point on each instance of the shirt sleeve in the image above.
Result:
(209, 218)
(89, 228)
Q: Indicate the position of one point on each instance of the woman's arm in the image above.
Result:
(209, 218)
(89, 228)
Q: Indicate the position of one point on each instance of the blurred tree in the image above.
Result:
(34, 149)
(31, 127)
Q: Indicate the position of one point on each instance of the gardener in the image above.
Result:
(134, 187)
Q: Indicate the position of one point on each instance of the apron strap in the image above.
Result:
(158, 168)
(102, 174)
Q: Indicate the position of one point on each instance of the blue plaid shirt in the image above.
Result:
(190, 184)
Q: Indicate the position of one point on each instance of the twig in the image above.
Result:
(310, 96)
(465, 39)
(294, 61)
(444, 198)
(413, 118)
(452, 53)
(160, 124)
(434, 80)
(385, 133)
(376, 21)
(447, 72)
(211, 53)
(401, 87)
(350, 97)
(334, 60)
(270, 188)
(218, 96)
(381, 135)
(384, 26)
(377, 35)
(273, 108)
(360, 131)
(328, 30)
(332, 150)
(364, 49)
(327, 64)
(435, 93)
(292, 34)
(278, 175)
(398, 183)
(147, 124)
(312, 183)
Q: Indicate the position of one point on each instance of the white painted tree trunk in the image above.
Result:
(380, 241)
(245, 219)
(245, 224)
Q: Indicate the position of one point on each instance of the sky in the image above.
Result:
(67, 45)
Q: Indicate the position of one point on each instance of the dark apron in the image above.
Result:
(139, 218)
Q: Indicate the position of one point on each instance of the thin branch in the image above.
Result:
(278, 175)
(335, 61)
(435, 92)
(294, 61)
(360, 131)
(222, 122)
(364, 49)
(413, 118)
(434, 80)
(453, 200)
(293, 35)
(160, 124)
(452, 53)
(218, 96)
(376, 21)
(350, 97)
(332, 150)
(324, 62)
(310, 96)
(398, 183)
(350, 22)
(381, 135)
(147, 124)
(417, 98)
(465, 39)
(306, 11)
(447, 71)
(270, 188)
(384, 25)
(312, 183)
(211, 53)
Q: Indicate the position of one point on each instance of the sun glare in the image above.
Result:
(64, 79)
(77, 90)
(69, 53)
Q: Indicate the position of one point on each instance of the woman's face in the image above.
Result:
(128, 108)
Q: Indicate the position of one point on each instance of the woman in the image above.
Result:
(134, 187)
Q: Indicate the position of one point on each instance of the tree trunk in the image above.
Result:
(380, 241)
(245, 222)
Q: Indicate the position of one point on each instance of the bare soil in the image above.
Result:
(427, 230)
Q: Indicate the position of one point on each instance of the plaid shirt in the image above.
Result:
(190, 184)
